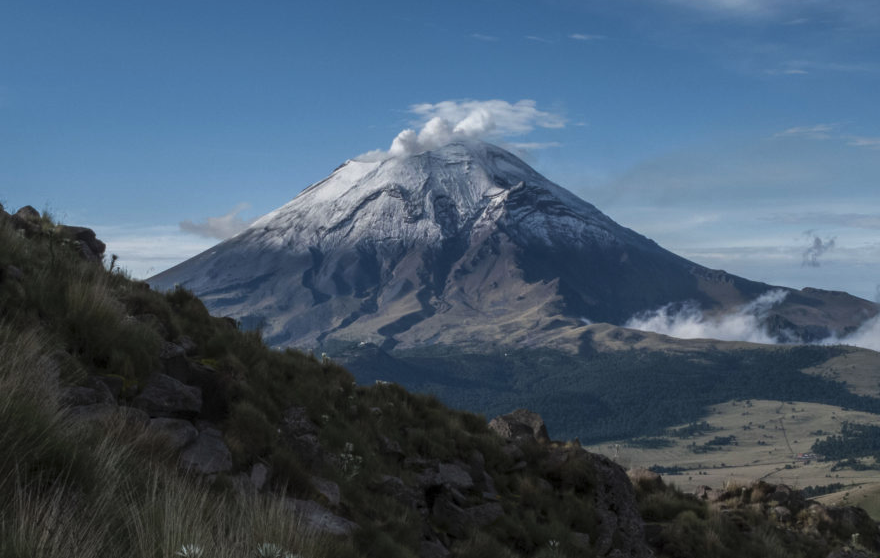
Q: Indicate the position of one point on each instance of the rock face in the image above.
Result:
(460, 245)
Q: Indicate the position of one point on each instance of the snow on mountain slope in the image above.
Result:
(462, 244)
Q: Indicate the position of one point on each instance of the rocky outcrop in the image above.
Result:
(82, 239)
(519, 425)
(839, 528)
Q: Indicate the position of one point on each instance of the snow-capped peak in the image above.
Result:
(412, 198)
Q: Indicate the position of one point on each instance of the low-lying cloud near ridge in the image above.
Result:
(222, 227)
(445, 121)
(687, 321)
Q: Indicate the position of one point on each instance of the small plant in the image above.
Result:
(554, 547)
(272, 550)
(350, 462)
(190, 551)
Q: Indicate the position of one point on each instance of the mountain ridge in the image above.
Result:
(465, 243)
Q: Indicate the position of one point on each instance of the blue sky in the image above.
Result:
(734, 132)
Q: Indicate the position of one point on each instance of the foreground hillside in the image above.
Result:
(133, 423)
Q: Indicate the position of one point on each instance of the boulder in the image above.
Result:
(189, 346)
(101, 414)
(90, 393)
(520, 425)
(433, 549)
(295, 422)
(209, 454)
(397, 489)
(707, 493)
(259, 475)
(645, 479)
(307, 447)
(328, 489)
(453, 519)
(164, 396)
(485, 514)
(455, 476)
(91, 248)
(621, 530)
(390, 447)
(177, 432)
(317, 517)
(27, 218)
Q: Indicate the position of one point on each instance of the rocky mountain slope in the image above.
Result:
(465, 244)
(135, 424)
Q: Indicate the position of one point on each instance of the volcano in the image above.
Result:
(465, 244)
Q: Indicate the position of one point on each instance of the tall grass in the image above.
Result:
(80, 489)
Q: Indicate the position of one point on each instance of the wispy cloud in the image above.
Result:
(847, 220)
(221, 227)
(485, 38)
(534, 145)
(786, 72)
(538, 39)
(816, 131)
(861, 141)
(586, 37)
(829, 132)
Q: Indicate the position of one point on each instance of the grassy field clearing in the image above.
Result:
(767, 437)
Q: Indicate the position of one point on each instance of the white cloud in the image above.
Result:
(494, 119)
(867, 336)
(688, 321)
(585, 37)
(221, 227)
(817, 131)
(538, 39)
(745, 7)
(861, 141)
(787, 72)
(485, 38)
(146, 251)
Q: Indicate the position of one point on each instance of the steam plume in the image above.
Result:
(447, 120)
(816, 250)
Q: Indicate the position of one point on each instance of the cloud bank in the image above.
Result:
(222, 227)
(440, 123)
(867, 336)
(688, 321)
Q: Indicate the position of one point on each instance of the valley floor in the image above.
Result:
(767, 438)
